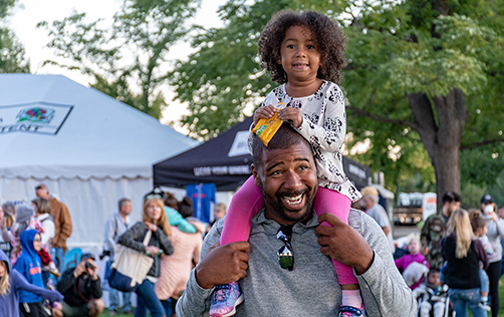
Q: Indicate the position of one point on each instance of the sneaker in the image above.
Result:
(113, 312)
(349, 311)
(485, 306)
(225, 299)
(53, 269)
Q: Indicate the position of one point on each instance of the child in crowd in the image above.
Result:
(432, 298)
(479, 227)
(12, 282)
(171, 207)
(303, 53)
(416, 271)
(28, 264)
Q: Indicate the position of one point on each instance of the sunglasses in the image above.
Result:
(285, 253)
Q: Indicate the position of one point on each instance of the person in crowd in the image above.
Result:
(219, 212)
(42, 209)
(501, 216)
(28, 264)
(463, 252)
(3, 224)
(25, 220)
(176, 268)
(115, 226)
(13, 284)
(153, 219)
(171, 206)
(81, 287)
(479, 227)
(9, 211)
(369, 202)
(284, 268)
(495, 232)
(304, 53)
(62, 222)
(434, 230)
(413, 256)
(432, 298)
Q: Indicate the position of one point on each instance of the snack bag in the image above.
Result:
(265, 129)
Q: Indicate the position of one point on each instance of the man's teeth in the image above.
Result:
(293, 200)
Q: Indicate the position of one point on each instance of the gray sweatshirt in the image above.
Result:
(495, 232)
(312, 288)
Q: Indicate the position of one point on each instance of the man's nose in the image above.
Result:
(292, 180)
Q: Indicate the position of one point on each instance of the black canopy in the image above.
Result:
(225, 161)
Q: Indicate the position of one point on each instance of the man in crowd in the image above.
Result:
(62, 224)
(369, 202)
(81, 288)
(434, 230)
(292, 281)
(115, 226)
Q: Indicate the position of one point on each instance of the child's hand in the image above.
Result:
(265, 112)
(292, 115)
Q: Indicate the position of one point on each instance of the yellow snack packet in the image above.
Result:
(265, 129)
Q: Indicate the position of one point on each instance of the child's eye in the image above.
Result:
(310, 47)
(290, 46)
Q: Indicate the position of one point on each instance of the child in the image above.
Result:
(303, 53)
(28, 264)
(430, 297)
(11, 281)
(414, 256)
(479, 227)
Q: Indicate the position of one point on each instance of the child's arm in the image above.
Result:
(176, 219)
(331, 134)
(20, 283)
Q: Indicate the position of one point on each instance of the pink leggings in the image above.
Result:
(248, 201)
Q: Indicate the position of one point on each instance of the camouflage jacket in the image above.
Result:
(433, 231)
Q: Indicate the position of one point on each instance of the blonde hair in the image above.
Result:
(43, 205)
(10, 219)
(162, 221)
(4, 281)
(460, 223)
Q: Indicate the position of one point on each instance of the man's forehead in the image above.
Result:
(300, 151)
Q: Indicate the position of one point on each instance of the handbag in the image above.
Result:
(130, 268)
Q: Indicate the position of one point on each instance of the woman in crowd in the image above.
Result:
(495, 232)
(154, 220)
(463, 253)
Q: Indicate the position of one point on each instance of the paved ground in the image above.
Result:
(404, 230)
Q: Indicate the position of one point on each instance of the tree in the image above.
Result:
(12, 54)
(127, 61)
(420, 74)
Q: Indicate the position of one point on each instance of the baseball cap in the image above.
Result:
(487, 199)
(87, 255)
(369, 190)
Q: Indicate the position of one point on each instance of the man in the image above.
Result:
(62, 224)
(115, 226)
(286, 173)
(434, 230)
(369, 202)
(81, 287)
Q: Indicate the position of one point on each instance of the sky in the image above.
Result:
(28, 13)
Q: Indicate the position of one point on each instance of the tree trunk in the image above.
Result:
(441, 137)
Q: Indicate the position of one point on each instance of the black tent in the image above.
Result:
(225, 161)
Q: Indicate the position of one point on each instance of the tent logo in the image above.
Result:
(36, 114)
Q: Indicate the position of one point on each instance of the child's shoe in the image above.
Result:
(225, 299)
(53, 269)
(485, 306)
(349, 311)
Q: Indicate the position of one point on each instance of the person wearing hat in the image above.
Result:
(81, 287)
(495, 232)
(369, 202)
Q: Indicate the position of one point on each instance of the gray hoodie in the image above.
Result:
(312, 288)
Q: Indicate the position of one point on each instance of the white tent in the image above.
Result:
(90, 149)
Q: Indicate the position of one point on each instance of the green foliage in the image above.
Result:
(141, 35)
(12, 54)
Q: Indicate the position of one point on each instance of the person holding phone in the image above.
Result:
(81, 287)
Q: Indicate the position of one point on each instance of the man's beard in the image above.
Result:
(276, 203)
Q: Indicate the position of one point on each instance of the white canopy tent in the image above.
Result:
(89, 149)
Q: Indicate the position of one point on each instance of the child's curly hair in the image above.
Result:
(329, 37)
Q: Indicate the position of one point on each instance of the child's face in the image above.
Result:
(36, 242)
(481, 231)
(3, 268)
(414, 246)
(300, 57)
(433, 278)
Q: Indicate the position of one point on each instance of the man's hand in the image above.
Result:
(341, 242)
(223, 264)
(92, 271)
(265, 112)
(292, 115)
(79, 269)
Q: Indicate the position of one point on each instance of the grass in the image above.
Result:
(501, 308)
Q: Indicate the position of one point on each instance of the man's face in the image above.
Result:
(42, 192)
(288, 182)
(500, 212)
(454, 205)
(126, 208)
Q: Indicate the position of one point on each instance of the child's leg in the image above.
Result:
(484, 284)
(330, 201)
(245, 204)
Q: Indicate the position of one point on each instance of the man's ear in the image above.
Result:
(255, 175)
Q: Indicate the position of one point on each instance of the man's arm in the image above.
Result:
(110, 233)
(65, 223)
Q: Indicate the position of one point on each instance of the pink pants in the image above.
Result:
(248, 201)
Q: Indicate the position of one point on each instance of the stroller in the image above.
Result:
(433, 300)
